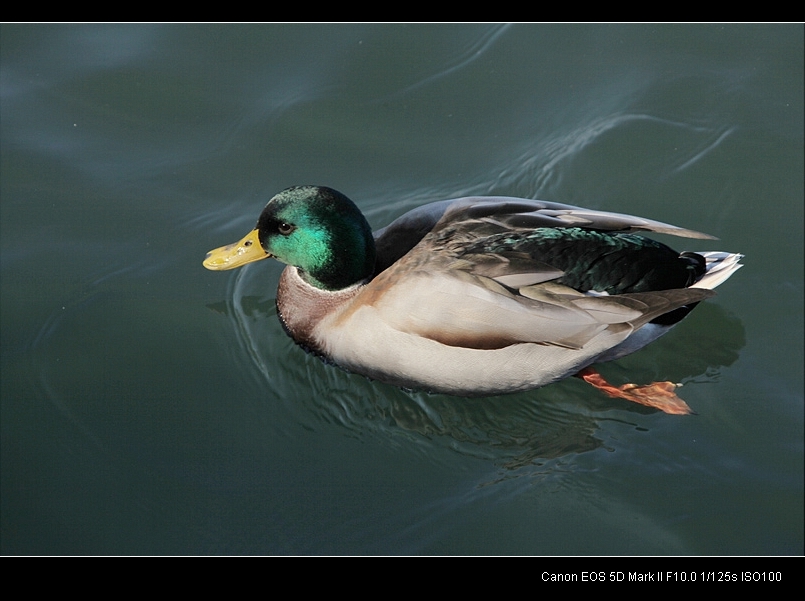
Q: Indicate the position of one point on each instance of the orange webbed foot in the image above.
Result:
(659, 395)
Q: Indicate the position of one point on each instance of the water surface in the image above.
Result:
(151, 406)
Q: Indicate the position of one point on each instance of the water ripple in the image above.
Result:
(470, 54)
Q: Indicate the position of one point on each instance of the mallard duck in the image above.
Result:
(479, 295)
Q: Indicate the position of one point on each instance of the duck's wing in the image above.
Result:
(476, 216)
(435, 289)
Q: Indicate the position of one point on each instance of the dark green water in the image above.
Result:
(151, 406)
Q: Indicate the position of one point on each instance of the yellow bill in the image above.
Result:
(234, 255)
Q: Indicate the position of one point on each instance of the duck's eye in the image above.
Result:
(285, 228)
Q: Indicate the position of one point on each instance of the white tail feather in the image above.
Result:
(720, 266)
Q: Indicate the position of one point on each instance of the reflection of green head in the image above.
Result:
(321, 232)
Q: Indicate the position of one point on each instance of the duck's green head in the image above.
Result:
(316, 229)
